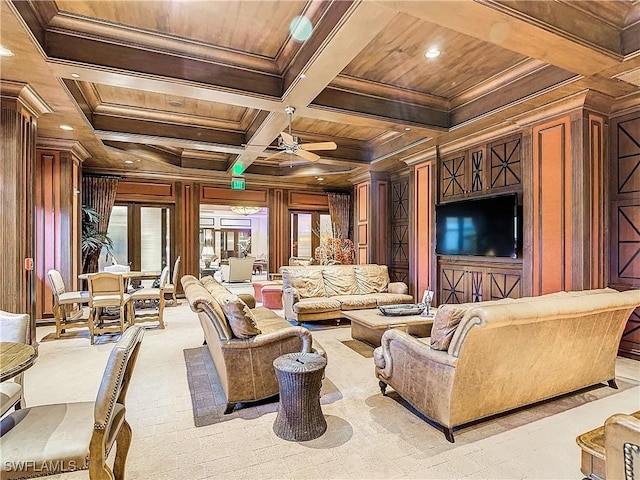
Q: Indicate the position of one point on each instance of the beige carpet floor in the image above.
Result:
(369, 436)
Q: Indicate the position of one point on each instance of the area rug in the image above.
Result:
(207, 396)
(359, 347)
(208, 400)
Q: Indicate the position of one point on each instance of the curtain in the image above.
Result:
(339, 209)
(99, 193)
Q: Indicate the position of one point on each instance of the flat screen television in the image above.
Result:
(486, 226)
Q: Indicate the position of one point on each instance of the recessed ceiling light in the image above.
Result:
(433, 52)
(75, 75)
(175, 103)
(128, 161)
(407, 129)
(5, 52)
(66, 127)
(320, 179)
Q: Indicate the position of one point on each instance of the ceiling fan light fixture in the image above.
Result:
(301, 28)
(244, 210)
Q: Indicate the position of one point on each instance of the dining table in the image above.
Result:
(133, 274)
(15, 358)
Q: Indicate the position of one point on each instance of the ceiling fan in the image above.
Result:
(287, 143)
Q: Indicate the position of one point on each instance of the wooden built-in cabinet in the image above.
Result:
(476, 279)
(488, 169)
(492, 168)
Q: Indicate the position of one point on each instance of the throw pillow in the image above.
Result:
(239, 316)
(445, 323)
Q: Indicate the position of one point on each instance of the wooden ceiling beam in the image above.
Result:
(356, 28)
(494, 23)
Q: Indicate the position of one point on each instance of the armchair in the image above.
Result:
(238, 270)
(52, 439)
(14, 327)
(612, 451)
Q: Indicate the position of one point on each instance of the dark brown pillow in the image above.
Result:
(239, 316)
(445, 323)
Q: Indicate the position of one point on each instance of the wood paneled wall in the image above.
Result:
(625, 218)
(57, 223)
(18, 128)
(424, 276)
(401, 228)
(552, 207)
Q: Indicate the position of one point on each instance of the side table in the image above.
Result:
(300, 416)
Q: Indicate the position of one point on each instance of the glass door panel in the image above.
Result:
(117, 232)
(154, 238)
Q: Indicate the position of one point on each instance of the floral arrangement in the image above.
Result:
(336, 251)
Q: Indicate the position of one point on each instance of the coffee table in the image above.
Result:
(369, 325)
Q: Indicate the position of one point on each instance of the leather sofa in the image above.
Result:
(505, 354)
(243, 359)
(323, 292)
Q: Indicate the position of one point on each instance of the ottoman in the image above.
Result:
(272, 296)
(258, 286)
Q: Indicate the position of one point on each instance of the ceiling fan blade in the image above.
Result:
(287, 139)
(312, 157)
(318, 146)
(273, 155)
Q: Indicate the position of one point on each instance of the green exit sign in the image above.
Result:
(237, 183)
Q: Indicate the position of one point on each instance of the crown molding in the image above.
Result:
(26, 95)
(424, 156)
(76, 148)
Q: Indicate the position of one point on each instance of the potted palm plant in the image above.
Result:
(92, 239)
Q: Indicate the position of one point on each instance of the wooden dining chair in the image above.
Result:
(106, 290)
(153, 296)
(63, 303)
(52, 439)
(14, 327)
(170, 288)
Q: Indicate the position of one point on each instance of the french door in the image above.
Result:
(143, 236)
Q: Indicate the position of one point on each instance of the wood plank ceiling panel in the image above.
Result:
(396, 57)
(257, 28)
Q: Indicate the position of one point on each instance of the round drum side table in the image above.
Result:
(299, 376)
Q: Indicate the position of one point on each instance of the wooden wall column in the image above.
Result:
(57, 217)
(372, 225)
(188, 224)
(423, 272)
(279, 230)
(565, 203)
(20, 108)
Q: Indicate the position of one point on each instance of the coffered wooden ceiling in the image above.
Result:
(192, 88)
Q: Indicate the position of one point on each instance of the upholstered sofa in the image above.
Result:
(322, 292)
(243, 340)
(490, 357)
